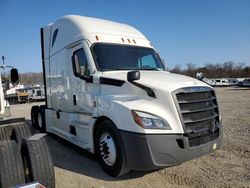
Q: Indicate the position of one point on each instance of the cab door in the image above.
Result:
(82, 91)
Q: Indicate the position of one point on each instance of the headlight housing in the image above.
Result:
(149, 121)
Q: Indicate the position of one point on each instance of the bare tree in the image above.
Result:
(31, 78)
(228, 69)
(177, 69)
(238, 69)
(191, 69)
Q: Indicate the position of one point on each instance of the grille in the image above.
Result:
(199, 113)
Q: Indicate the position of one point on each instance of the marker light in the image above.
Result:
(123, 40)
(128, 41)
(134, 41)
(96, 37)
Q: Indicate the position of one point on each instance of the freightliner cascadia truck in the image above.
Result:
(107, 91)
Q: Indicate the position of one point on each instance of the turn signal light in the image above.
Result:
(137, 119)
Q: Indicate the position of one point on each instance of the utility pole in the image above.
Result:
(3, 58)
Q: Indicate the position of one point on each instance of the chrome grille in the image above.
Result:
(199, 113)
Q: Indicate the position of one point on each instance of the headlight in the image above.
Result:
(148, 121)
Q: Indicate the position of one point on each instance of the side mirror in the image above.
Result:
(133, 75)
(199, 76)
(14, 76)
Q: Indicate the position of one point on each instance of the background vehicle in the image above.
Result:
(20, 96)
(217, 82)
(23, 158)
(4, 85)
(107, 91)
(244, 83)
(36, 93)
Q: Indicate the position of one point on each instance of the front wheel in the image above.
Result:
(109, 149)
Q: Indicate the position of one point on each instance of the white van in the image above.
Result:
(107, 91)
(36, 93)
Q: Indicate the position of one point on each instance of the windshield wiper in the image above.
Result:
(114, 69)
(133, 68)
(149, 68)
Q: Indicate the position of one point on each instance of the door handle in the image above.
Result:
(74, 99)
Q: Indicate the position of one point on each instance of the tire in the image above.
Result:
(38, 162)
(108, 141)
(41, 120)
(11, 165)
(33, 116)
(19, 133)
(4, 133)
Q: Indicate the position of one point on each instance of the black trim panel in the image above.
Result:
(72, 130)
(153, 151)
(111, 81)
(42, 43)
(13, 120)
(88, 79)
(43, 65)
(149, 91)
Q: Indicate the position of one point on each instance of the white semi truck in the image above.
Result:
(108, 92)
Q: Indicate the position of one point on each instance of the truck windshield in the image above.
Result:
(110, 57)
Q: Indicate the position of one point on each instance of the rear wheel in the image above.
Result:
(11, 166)
(37, 161)
(109, 149)
(4, 133)
(19, 133)
(33, 116)
(41, 120)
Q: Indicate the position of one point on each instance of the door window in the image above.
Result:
(80, 64)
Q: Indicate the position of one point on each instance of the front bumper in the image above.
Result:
(150, 152)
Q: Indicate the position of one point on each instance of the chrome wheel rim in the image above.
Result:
(107, 149)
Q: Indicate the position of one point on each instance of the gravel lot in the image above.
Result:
(227, 167)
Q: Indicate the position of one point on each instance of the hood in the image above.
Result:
(158, 79)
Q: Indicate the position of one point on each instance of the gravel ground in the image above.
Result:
(227, 167)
